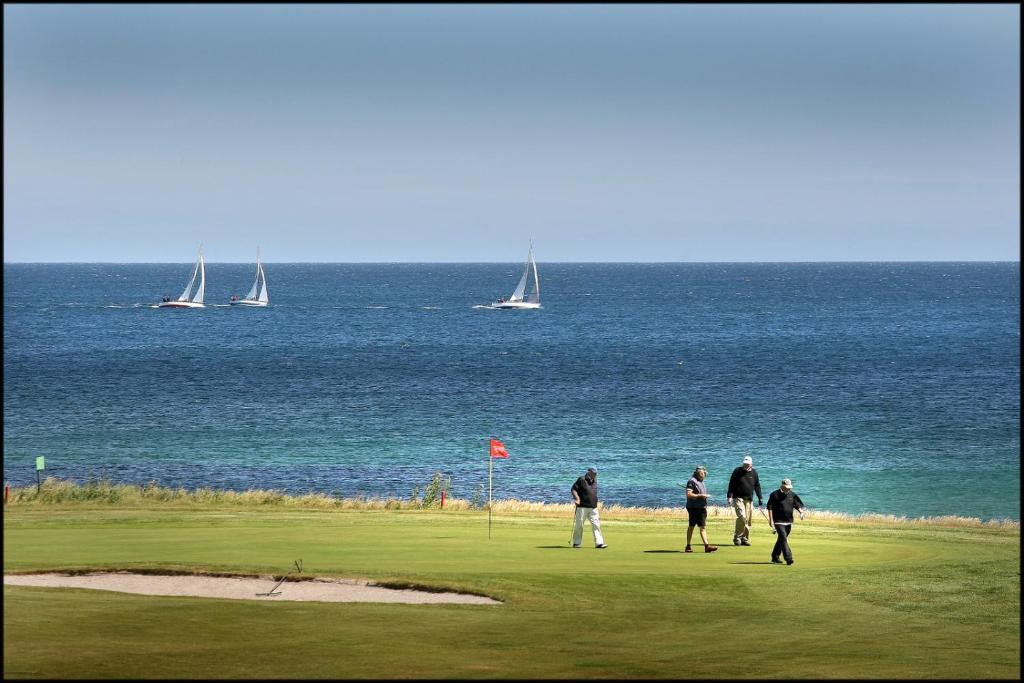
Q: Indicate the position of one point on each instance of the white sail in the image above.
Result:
(263, 291)
(251, 296)
(535, 296)
(188, 288)
(255, 283)
(198, 298)
(521, 287)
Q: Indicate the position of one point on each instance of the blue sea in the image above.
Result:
(877, 387)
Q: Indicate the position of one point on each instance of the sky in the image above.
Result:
(458, 133)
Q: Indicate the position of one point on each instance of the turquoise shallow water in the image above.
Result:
(877, 387)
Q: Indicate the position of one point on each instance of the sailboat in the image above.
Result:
(187, 299)
(519, 298)
(258, 285)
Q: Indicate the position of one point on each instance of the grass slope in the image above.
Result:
(864, 600)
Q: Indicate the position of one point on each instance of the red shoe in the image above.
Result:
(710, 548)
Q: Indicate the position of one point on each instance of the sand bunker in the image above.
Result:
(317, 590)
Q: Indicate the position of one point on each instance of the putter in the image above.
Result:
(273, 591)
(573, 523)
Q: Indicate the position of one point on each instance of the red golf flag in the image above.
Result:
(498, 449)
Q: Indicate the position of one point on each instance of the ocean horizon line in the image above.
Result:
(471, 263)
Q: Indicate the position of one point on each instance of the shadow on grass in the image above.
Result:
(553, 547)
(664, 551)
(751, 563)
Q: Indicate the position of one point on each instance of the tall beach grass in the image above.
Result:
(55, 491)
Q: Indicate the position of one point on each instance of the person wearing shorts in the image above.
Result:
(697, 509)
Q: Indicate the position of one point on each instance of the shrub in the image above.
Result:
(432, 491)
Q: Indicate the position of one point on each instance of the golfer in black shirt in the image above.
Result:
(584, 494)
(743, 484)
(780, 517)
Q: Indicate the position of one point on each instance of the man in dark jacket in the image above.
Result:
(780, 518)
(584, 493)
(743, 484)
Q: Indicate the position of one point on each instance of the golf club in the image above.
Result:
(573, 527)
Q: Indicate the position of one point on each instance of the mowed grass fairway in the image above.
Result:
(864, 600)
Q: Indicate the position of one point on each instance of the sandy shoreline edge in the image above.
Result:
(55, 492)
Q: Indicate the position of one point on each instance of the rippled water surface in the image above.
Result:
(877, 387)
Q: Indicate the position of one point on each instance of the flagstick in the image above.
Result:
(490, 466)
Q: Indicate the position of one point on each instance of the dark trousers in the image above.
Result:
(782, 542)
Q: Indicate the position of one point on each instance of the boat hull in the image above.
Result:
(180, 304)
(514, 304)
(248, 302)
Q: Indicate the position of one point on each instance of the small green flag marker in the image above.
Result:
(39, 468)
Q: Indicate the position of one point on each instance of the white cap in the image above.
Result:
(748, 460)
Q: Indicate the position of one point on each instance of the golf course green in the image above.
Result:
(865, 599)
